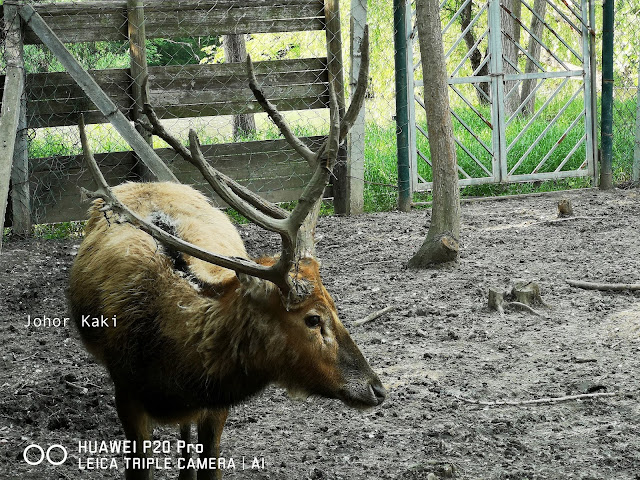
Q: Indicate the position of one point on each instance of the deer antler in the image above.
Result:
(252, 206)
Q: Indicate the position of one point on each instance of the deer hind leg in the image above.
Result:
(185, 436)
(135, 423)
(210, 428)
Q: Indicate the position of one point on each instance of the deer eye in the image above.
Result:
(312, 321)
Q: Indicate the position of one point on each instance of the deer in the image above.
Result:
(165, 296)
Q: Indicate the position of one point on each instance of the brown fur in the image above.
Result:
(193, 338)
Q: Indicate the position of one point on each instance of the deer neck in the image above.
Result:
(232, 342)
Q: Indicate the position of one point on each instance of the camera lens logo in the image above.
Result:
(53, 460)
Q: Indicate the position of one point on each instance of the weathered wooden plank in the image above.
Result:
(60, 202)
(185, 81)
(245, 174)
(269, 188)
(114, 6)
(116, 82)
(244, 26)
(267, 151)
(68, 206)
(9, 117)
(110, 23)
(139, 74)
(165, 98)
(93, 91)
(117, 31)
(71, 162)
(229, 18)
(45, 85)
(240, 69)
(232, 108)
(69, 114)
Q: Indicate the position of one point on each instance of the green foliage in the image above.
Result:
(272, 46)
(56, 231)
(180, 51)
(91, 55)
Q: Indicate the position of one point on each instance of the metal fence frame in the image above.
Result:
(497, 77)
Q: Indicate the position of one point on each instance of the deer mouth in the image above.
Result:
(363, 396)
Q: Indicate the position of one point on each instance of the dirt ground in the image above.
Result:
(441, 343)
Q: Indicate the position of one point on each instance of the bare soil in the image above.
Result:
(441, 343)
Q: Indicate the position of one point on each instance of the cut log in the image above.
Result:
(442, 249)
(617, 287)
(565, 209)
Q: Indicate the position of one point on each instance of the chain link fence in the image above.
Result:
(626, 99)
(193, 54)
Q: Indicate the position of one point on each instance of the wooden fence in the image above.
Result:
(270, 167)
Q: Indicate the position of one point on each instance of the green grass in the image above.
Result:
(381, 178)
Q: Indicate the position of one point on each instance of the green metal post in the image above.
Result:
(606, 129)
(402, 104)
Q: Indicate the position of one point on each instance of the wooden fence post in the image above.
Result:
(355, 144)
(11, 103)
(20, 192)
(335, 66)
(138, 55)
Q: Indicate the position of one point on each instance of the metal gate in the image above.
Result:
(522, 95)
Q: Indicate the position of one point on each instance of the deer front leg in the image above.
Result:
(210, 428)
(185, 436)
(135, 423)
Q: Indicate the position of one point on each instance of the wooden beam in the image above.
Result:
(10, 112)
(95, 93)
(20, 192)
(139, 73)
(104, 21)
(335, 65)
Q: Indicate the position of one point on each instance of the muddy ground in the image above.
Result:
(441, 343)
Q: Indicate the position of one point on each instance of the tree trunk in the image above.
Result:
(441, 244)
(534, 50)
(510, 35)
(482, 89)
(235, 50)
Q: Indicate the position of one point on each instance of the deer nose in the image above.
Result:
(379, 392)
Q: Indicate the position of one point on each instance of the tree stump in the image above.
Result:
(565, 209)
(521, 295)
(442, 250)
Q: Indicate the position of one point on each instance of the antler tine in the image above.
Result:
(315, 187)
(233, 193)
(357, 100)
(112, 203)
(277, 118)
(218, 182)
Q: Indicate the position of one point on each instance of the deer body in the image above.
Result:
(192, 338)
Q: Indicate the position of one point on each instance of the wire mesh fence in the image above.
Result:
(193, 54)
(626, 129)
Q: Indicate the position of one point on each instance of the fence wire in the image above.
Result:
(626, 98)
(197, 80)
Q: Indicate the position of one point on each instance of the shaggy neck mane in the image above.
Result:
(233, 339)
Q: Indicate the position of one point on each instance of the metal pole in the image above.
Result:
(402, 105)
(636, 150)
(606, 129)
